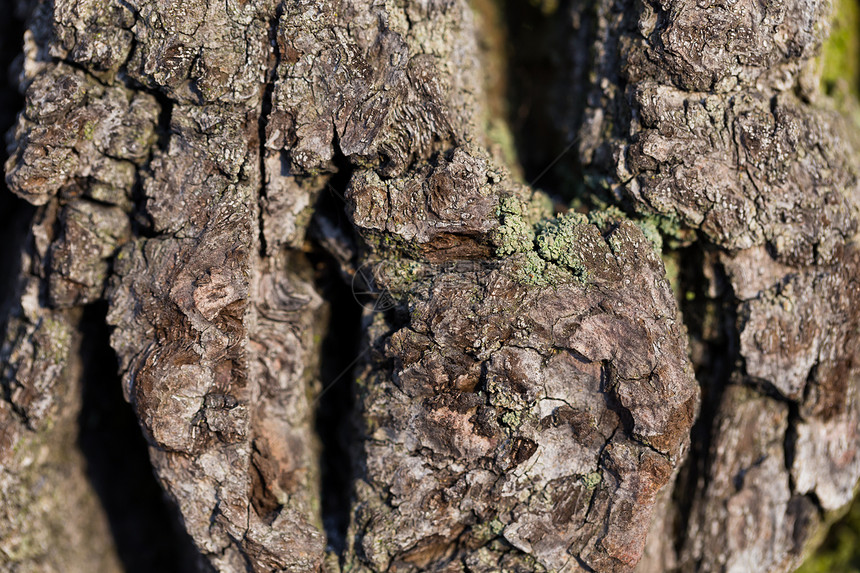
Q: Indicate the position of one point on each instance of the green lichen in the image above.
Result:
(592, 480)
(662, 229)
(496, 526)
(88, 130)
(532, 270)
(512, 419)
(535, 208)
(487, 530)
(400, 274)
(557, 239)
(391, 246)
(539, 207)
(605, 218)
(649, 229)
(53, 339)
(672, 231)
(517, 218)
(555, 250)
(514, 235)
(594, 191)
(500, 398)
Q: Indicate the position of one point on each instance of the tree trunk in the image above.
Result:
(354, 337)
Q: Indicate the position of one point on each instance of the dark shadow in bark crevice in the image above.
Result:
(335, 405)
(537, 54)
(146, 528)
(15, 214)
(709, 312)
(334, 411)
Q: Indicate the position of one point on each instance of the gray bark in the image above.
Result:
(526, 392)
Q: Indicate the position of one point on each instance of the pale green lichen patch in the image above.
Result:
(399, 274)
(393, 245)
(612, 215)
(52, 341)
(649, 229)
(546, 250)
(592, 480)
(482, 532)
(517, 219)
(531, 270)
(515, 233)
(558, 240)
(662, 229)
(572, 247)
(539, 207)
(496, 526)
(512, 419)
(606, 218)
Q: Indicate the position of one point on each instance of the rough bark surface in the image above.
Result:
(711, 117)
(524, 397)
(50, 518)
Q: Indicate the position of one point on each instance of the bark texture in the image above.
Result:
(711, 117)
(523, 398)
(50, 517)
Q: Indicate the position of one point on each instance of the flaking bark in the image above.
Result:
(712, 118)
(524, 396)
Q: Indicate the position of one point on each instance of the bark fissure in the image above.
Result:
(355, 339)
(148, 534)
(709, 320)
(334, 412)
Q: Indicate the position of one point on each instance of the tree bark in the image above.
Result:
(354, 337)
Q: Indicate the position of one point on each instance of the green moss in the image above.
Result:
(841, 549)
(547, 7)
(500, 134)
(840, 53)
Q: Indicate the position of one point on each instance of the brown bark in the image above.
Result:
(525, 385)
